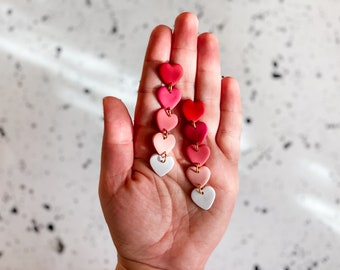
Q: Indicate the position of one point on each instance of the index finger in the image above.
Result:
(158, 51)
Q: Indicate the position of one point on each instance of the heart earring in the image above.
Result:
(168, 96)
(198, 153)
(195, 131)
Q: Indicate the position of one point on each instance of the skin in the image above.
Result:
(152, 220)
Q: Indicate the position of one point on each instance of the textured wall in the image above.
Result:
(59, 58)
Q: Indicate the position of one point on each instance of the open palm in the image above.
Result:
(152, 220)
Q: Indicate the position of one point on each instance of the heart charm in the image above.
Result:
(163, 144)
(170, 74)
(167, 99)
(205, 199)
(196, 134)
(161, 167)
(193, 111)
(199, 178)
(165, 121)
(198, 156)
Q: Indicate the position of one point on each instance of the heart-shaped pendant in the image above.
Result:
(166, 121)
(170, 74)
(197, 133)
(198, 155)
(200, 177)
(168, 99)
(160, 165)
(163, 144)
(205, 198)
(193, 111)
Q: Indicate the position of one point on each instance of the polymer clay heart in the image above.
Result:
(197, 133)
(205, 199)
(165, 121)
(199, 156)
(168, 99)
(199, 178)
(193, 111)
(163, 144)
(159, 167)
(170, 74)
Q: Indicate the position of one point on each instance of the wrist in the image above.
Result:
(124, 264)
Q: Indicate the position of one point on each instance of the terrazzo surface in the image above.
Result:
(58, 59)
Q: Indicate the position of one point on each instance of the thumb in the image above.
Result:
(117, 147)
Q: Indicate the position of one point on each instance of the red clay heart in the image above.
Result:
(168, 99)
(199, 156)
(193, 111)
(165, 121)
(170, 74)
(196, 134)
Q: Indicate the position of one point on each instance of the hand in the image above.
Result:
(152, 220)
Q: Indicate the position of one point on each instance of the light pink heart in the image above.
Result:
(199, 156)
(196, 134)
(165, 121)
(200, 178)
(163, 144)
(168, 99)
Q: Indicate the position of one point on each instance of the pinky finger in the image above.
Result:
(230, 126)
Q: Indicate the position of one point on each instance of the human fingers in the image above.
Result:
(158, 51)
(230, 126)
(184, 51)
(117, 146)
(208, 80)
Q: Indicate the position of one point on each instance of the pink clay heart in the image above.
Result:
(170, 74)
(165, 121)
(163, 144)
(199, 156)
(168, 99)
(200, 178)
(196, 134)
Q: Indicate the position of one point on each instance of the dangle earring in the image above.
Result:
(198, 153)
(168, 96)
(195, 131)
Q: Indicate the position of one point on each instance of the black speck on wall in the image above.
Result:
(256, 267)
(58, 50)
(46, 206)
(2, 132)
(114, 29)
(60, 248)
(276, 75)
(14, 210)
(50, 227)
(287, 145)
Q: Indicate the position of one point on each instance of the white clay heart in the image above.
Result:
(161, 167)
(205, 199)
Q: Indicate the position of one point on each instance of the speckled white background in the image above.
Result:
(59, 58)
